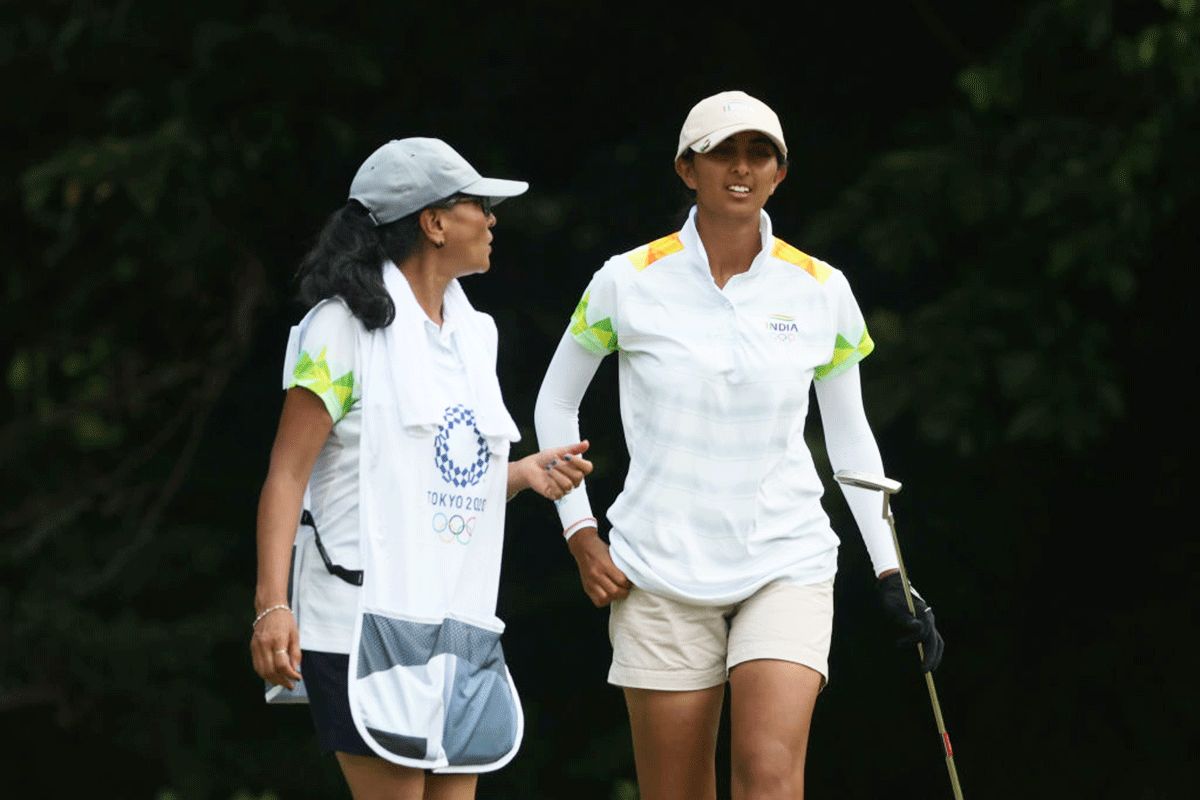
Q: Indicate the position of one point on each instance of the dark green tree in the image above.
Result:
(153, 162)
(1017, 226)
(1029, 247)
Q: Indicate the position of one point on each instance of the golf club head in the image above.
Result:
(865, 480)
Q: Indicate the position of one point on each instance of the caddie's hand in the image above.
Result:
(275, 649)
(918, 629)
(601, 579)
(552, 472)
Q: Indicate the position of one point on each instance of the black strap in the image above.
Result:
(354, 577)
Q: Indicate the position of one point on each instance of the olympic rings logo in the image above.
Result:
(453, 528)
(788, 336)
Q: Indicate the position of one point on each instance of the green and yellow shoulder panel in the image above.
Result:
(314, 376)
(599, 338)
(846, 355)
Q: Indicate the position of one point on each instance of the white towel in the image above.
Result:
(404, 349)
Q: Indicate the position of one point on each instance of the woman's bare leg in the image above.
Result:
(450, 787)
(771, 706)
(675, 742)
(372, 778)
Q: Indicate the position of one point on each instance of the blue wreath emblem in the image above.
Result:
(454, 473)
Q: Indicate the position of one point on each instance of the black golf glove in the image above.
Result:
(912, 629)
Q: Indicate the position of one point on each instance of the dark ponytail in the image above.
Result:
(347, 261)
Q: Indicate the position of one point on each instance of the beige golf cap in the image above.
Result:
(406, 175)
(716, 118)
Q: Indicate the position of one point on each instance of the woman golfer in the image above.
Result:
(394, 423)
(722, 560)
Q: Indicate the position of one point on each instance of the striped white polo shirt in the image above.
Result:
(721, 496)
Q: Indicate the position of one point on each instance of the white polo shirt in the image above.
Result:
(721, 496)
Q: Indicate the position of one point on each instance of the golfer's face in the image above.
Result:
(736, 176)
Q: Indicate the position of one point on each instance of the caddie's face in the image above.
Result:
(736, 177)
(468, 229)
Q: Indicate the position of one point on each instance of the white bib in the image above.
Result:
(428, 684)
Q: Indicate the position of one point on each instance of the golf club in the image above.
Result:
(888, 487)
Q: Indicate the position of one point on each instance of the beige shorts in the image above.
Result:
(660, 643)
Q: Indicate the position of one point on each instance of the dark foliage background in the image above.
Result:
(1009, 186)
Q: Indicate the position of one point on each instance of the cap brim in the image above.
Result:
(716, 137)
(496, 188)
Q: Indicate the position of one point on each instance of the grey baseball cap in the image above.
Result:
(406, 175)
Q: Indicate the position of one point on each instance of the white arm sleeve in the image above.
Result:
(851, 445)
(556, 415)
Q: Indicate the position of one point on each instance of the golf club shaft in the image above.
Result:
(933, 698)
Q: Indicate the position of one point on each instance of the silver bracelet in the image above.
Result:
(268, 611)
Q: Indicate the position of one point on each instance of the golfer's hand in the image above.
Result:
(275, 649)
(919, 629)
(551, 473)
(601, 579)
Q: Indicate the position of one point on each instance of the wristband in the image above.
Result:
(575, 527)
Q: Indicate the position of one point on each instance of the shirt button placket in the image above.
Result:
(731, 342)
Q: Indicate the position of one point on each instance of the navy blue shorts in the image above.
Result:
(329, 703)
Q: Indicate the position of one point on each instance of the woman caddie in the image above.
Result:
(392, 450)
(720, 561)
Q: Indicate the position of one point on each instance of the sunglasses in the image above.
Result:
(484, 203)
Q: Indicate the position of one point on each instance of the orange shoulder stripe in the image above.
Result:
(785, 252)
(646, 255)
